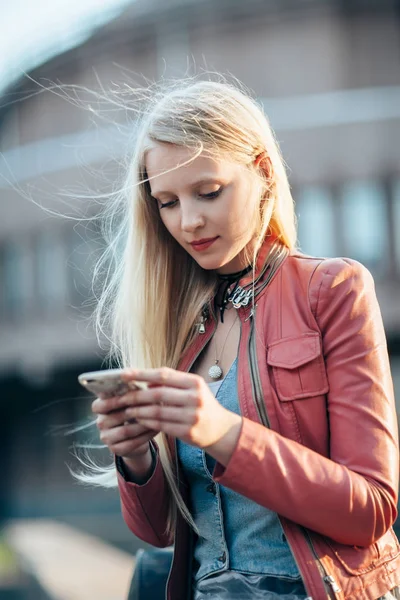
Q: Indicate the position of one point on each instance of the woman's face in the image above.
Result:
(208, 206)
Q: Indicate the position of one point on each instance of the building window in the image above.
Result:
(365, 224)
(17, 279)
(316, 223)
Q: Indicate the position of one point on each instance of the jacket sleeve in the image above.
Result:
(351, 496)
(145, 507)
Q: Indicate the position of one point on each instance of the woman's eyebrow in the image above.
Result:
(202, 181)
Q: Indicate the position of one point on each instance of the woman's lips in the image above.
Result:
(203, 244)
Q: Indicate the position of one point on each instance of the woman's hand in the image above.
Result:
(123, 435)
(182, 405)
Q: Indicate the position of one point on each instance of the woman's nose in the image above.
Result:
(191, 220)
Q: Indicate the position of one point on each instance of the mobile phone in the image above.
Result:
(108, 383)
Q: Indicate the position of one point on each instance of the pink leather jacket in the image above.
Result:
(319, 442)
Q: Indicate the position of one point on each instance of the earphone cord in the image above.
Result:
(223, 347)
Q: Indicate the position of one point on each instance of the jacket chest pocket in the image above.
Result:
(298, 367)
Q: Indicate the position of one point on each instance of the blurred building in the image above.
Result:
(328, 73)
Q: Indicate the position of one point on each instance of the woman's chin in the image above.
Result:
(209, 263)
(213, 261)
(221, 268)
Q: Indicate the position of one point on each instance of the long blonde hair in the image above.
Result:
(154, 291)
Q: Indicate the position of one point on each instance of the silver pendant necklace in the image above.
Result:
(215, 371)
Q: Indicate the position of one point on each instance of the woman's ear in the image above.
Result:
(263, 161)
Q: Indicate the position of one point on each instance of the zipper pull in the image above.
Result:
(332, 582)
(202, 327)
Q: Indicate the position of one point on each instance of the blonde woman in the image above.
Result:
(275, 468)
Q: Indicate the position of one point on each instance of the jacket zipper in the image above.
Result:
(330, 583)
(255, 375)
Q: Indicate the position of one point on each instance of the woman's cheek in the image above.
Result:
(167, 222)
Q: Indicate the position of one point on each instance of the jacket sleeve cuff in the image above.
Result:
(145, 505)
(234, 469)
(121, 469)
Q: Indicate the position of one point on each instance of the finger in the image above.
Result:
(177, 430)
(165, 377)
(123, 432)
(156, 395)
(127, 446)
(113, 403)
(113, 420)
(166, 395)
(162, 413)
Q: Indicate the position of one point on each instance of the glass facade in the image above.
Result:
(316, 221)
(365, 224)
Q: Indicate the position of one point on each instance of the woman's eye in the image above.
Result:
(208, 196)
(167, 204)
(212, 195)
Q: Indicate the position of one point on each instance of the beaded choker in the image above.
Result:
(224, 290)
(242, 295)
